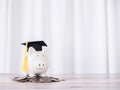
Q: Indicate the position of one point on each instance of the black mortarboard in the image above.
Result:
(37, 45)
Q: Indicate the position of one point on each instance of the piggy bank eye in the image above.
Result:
(37, 55)
(43, 55)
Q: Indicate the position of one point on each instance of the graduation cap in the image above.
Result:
(37, 45)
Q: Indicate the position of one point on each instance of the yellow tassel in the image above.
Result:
(24, 63)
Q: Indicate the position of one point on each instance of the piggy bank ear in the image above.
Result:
(31, 50)
(45, 50)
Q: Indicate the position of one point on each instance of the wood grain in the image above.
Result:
(76, 81)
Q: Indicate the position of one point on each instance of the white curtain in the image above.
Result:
(83, 36)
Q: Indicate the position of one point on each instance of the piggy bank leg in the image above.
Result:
(25, 74)
(44, 74)
(31, 74)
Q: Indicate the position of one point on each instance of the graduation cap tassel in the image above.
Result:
(24, 63)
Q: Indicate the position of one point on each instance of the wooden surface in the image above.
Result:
(72, 82)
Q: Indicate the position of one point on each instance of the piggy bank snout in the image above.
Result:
(40, 65)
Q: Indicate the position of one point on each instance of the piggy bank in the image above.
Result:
(37, 61)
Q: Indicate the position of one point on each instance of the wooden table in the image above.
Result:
(72, 82)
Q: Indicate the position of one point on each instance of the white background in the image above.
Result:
(83, 36)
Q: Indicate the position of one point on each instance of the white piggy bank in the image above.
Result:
(37, 62)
